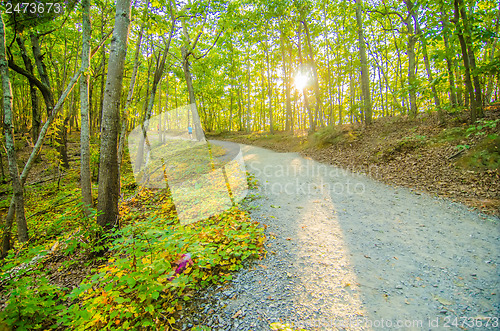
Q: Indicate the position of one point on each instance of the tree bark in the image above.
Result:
(465, 58)
(36, 120)
(249, 95)
(269, 89)
(186, 50)
(160, 65)
(448, 58)
(17, 187)
(472, 59)
(365, 75)
(318, 105)
(85, 176)
(42, 71)
(312, 126)
(108, 195)
(412, 81)
(423, 41)
(286, 80)
(489, 87)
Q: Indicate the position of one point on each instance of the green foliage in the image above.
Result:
(135, 288)
(33, 303)
(454, 134)
(481, 127)
(134, 285)
(460, 147)
(252, 182)
(484, 156)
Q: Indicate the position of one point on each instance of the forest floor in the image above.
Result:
(457, 161)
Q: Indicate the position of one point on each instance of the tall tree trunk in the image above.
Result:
(36, 120)
(286, 81)
(62, 141)
(17, 187)
(200, 136)
(159, 68)
(318, 109)
(423, 41)
(107, 204)
(330, 97)
(100, 106)
(472, 58)
(448, 57)
(412, 81)
(85, 176)
(365, 75)
(312, 126)
(269, 90)
(240, 110)
(489, 87)
(249, 94)
(42, 71)
(465, 58)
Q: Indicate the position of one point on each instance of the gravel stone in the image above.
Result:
(350, 249)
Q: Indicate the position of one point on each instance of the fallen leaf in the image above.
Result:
(443, 301)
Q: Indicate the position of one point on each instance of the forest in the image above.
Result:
(85, 245)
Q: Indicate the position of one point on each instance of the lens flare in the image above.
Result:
(300, 81)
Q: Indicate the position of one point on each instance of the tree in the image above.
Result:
(130, 94)
(85, 177)
(160, 66)
(448, 57)
(108, 192)
(365, 75)
(423, 41)
(17, 187)
(466, 60)
(36, 120)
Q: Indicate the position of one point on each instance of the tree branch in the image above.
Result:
(387, 13)
(208, 50)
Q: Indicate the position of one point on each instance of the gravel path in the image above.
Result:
(347, 252)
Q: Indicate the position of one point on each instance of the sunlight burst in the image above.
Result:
(300, 81)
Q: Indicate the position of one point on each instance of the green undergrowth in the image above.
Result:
(485, 155)
(130, 280)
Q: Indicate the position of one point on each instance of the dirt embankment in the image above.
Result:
(458, 161)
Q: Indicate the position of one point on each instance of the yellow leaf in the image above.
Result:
(171, 320)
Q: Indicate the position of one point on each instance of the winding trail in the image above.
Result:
(347, 252)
